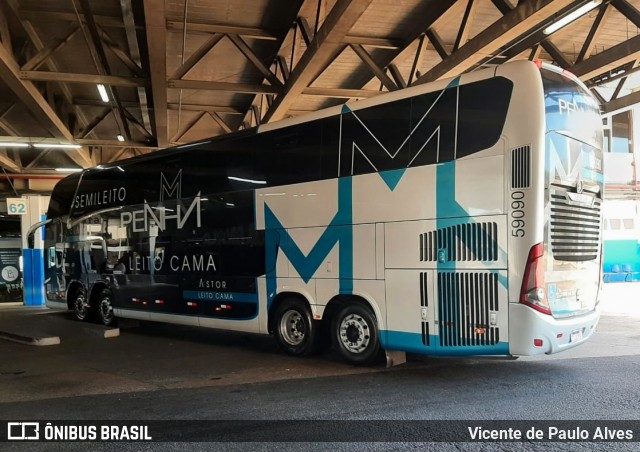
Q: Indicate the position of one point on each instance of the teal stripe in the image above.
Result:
(412, 343)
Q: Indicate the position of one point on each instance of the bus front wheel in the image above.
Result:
(105, 308)
(355, 334)
(295, 330)
(81, 307)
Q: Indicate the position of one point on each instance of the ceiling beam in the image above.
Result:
(33, 101)
(38, 158)
(51, 47)
(299, 23)
(100, 58)
(556, 54)
(93, 124)
(156, 30)
(340, 93)
(188, 126)
(5, 31)
(628, 10)
(211, 108)
(305, 30)
(197, 27)
(418, 58)
(465, 25)
(123, 56)
(611, 58)
(397, 76)
(35, 40)
(117, 155)
(253, 59)
(621, 103)
(326, 45)
(373, 66)
(224, 86)
(197, 56)
(594, 33)
(8, 163)
(83, 101)
(508, 28)
(436, 42)
(48, 16)
(379, 43)
(92, 79)
(137, 124)
(216, 117)
(134, 52)
(116, 143)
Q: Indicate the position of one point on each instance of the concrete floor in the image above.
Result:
(153, 356)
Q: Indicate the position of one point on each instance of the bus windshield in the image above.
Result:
(573, 194)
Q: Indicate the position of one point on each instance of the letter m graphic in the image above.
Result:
(171, 189)
(339, 232)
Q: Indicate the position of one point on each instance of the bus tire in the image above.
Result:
(295, 330)
(81, 306)
(355, 334)
(104, 308)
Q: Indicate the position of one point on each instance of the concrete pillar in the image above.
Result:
(33, 258)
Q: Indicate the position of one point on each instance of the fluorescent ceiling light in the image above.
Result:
(103, 93)
(56, 145)
(68, 170)
(251, 181)
(584, 9)
(7, 144)
(120, 137)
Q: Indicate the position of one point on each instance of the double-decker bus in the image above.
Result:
(459, 217)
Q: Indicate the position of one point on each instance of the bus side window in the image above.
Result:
(51, 257)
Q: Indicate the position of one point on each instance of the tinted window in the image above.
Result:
(482, 111)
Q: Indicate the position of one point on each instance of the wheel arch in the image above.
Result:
(72, 288)
(97, 288)
(277, 301)
(338, 301)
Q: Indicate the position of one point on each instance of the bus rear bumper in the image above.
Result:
(527, 327)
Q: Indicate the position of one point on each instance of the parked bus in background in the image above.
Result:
(460, 217)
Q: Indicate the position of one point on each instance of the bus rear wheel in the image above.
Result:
(81, 307)
(105, 308)
(295, 330)
(355, 334)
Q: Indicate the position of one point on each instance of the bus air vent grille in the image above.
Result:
(425, 333)
(575, 228)
(521, 167)
(461, 243)
(465, 303)
(424, 297)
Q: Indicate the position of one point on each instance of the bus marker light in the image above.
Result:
(559, 335)
(537, 342)
(481, 331)
(316, 317)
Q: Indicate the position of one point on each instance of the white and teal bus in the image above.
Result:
(460, 217)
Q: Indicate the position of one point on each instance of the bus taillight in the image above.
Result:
(532, 293)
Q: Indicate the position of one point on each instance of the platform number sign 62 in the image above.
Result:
(16, 206)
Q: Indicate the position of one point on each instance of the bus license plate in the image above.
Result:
(576, 335)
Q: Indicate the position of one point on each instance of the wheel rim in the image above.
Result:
(81, 306)
(292, 328)
(355, 333)
(106, 310)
